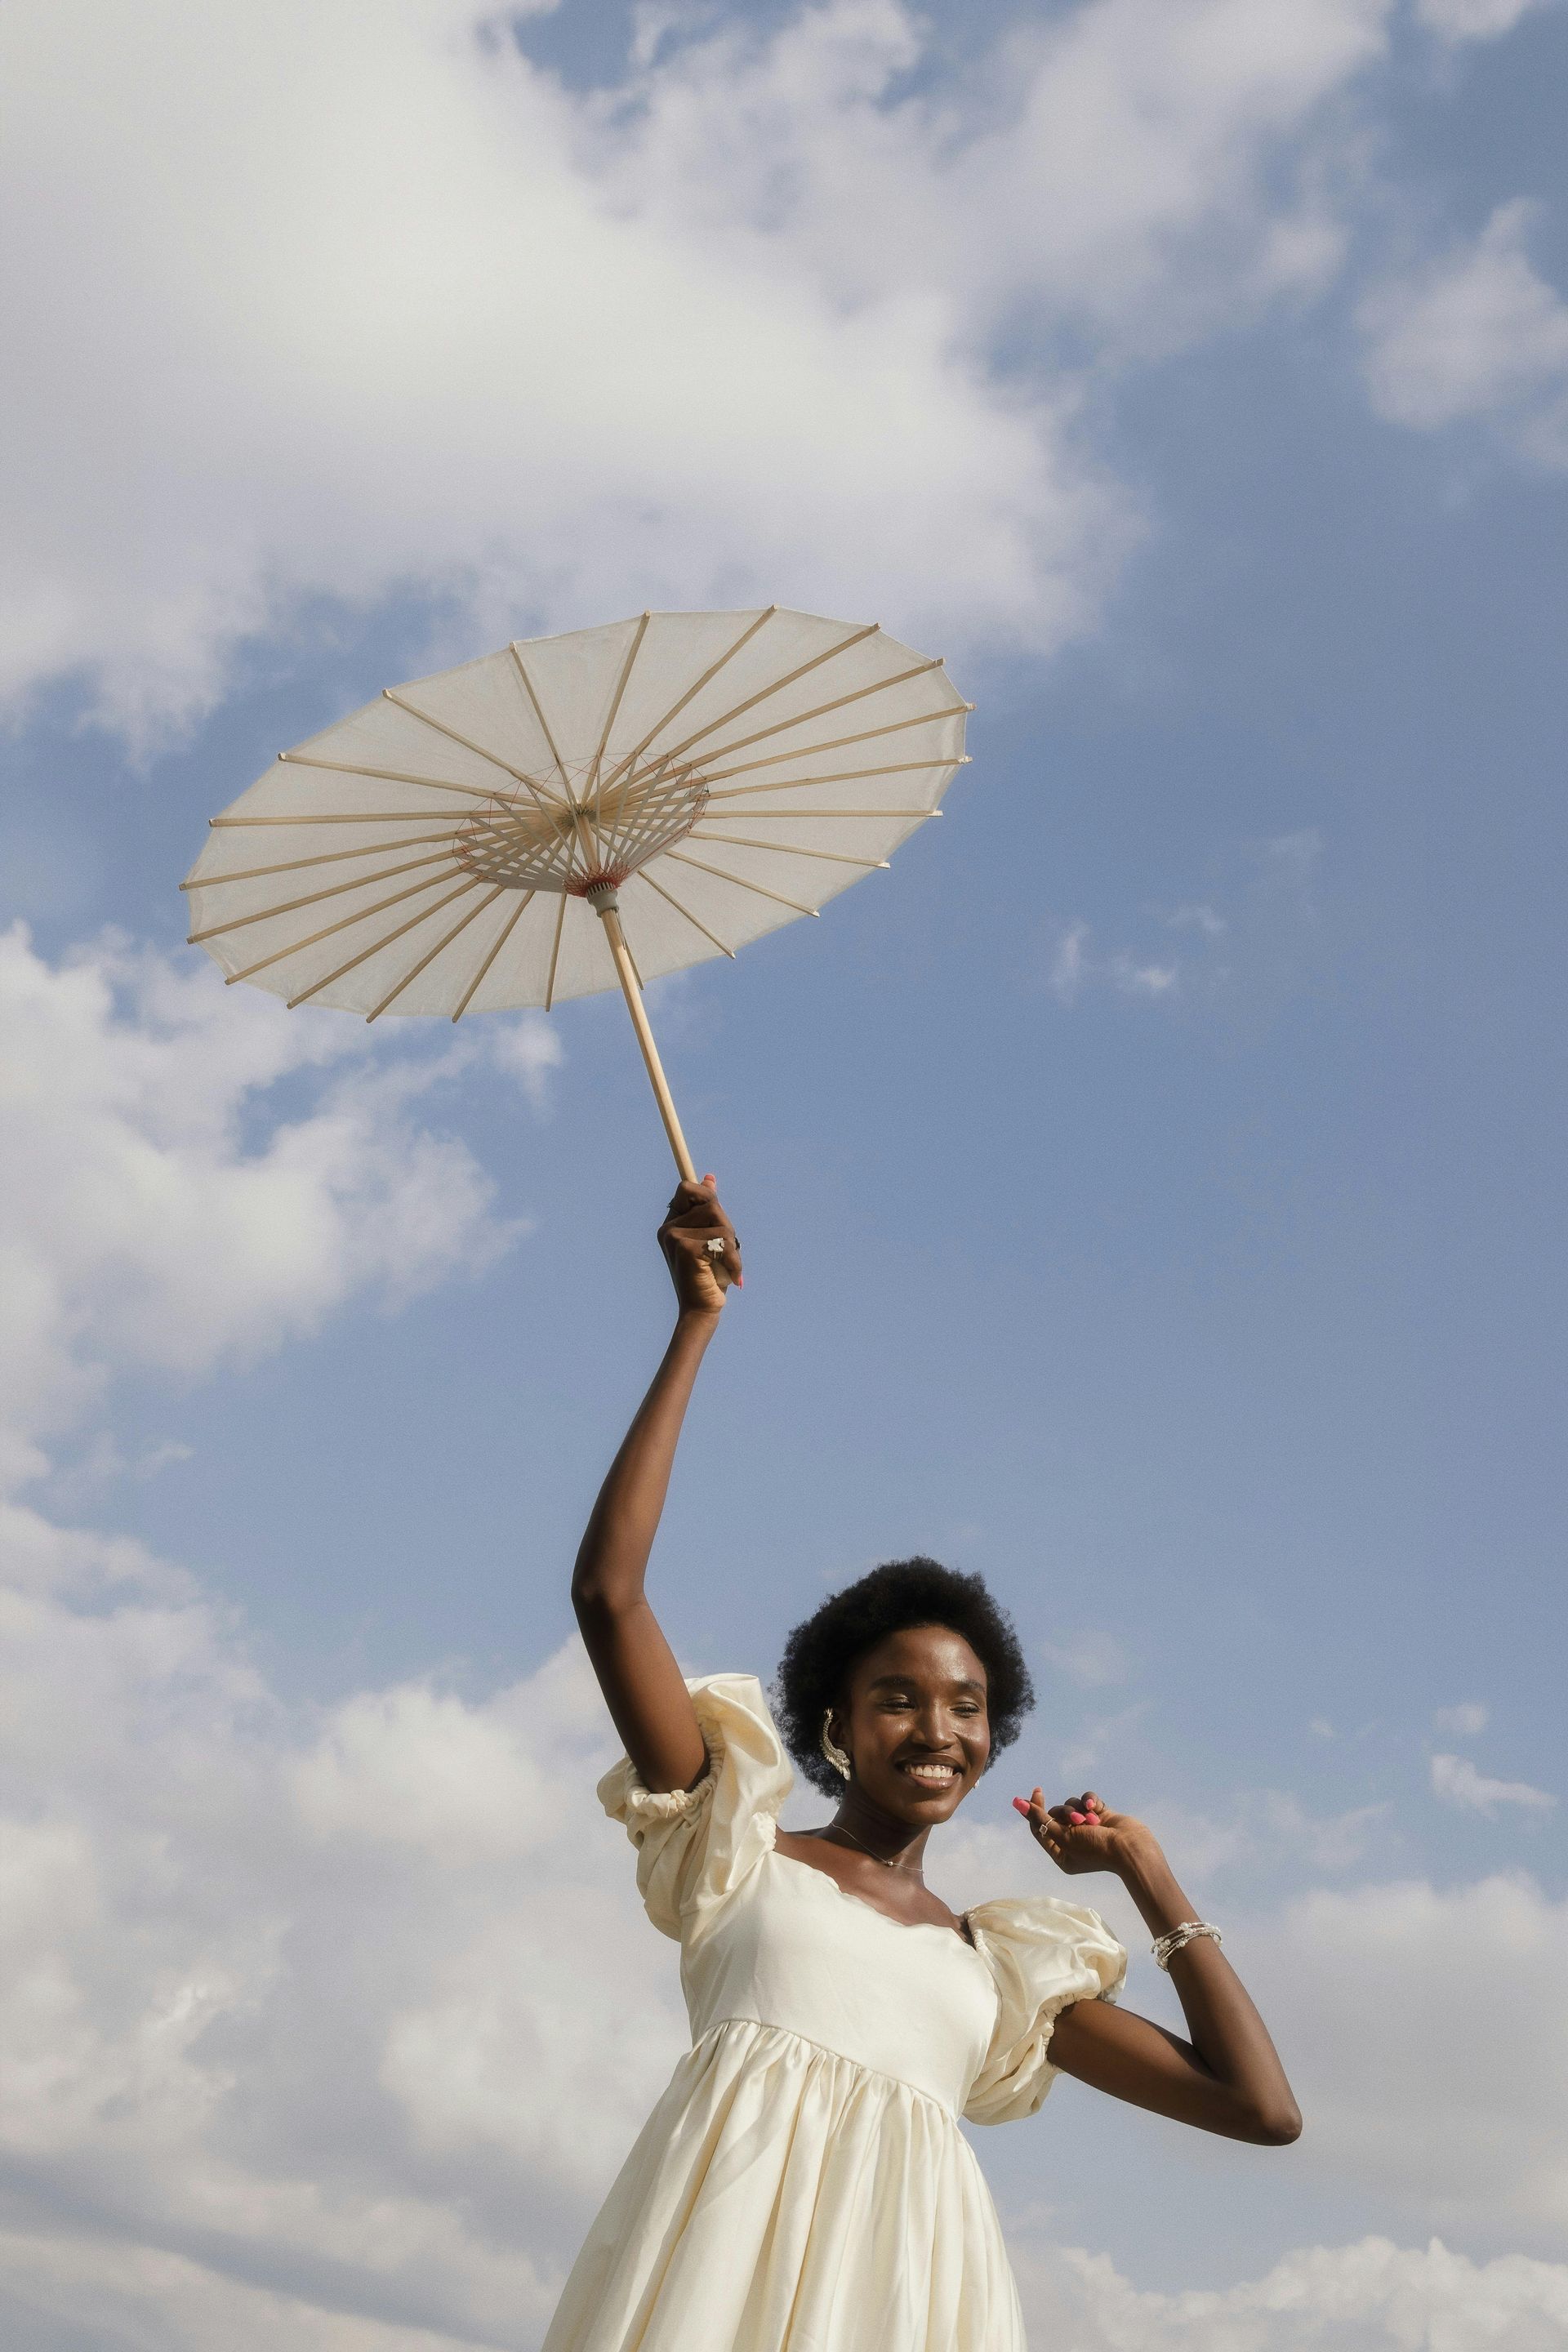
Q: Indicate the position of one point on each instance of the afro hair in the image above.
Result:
(820, 1653)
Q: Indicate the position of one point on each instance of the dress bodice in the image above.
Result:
(791, 1948)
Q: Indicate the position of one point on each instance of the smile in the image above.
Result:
(935, 1776)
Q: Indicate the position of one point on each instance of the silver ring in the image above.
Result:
(715, 1247)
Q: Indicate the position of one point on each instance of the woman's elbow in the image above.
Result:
(1276, 2126)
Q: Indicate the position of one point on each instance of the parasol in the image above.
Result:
(575, 812)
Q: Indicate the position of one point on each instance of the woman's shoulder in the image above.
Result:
(748, 1770)
(1038, 1937)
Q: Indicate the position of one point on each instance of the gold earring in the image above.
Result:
(833, 1753)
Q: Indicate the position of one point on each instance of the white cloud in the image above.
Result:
(143, 1226)
(1073, 969)
(528, 1048)
(1198, 918)
(386, 309)
(1475, 334)
(1371, 2297)
(290, 2013)
(1474, 20)
(1456, 1779)
(1259, 1830)
(1380, 1999)
(1465, 1720)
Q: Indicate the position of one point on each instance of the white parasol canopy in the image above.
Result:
(577, 811)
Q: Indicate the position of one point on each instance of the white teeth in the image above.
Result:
(932, 1771)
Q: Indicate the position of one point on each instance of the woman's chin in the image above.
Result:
(922, 1808)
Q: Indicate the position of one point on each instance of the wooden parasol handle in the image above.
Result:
(605, 905)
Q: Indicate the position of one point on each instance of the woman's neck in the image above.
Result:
(899, 1845)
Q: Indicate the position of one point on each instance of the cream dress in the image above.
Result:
(803, 2185)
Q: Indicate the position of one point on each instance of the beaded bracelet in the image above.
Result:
(1166, 1947)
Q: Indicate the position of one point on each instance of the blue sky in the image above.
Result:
(1150, 1185)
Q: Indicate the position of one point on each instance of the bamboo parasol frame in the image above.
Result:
(508, 790)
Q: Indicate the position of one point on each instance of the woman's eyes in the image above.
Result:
(900, 1703)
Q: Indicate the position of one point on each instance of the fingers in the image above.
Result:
(694, 1220)
(1071, 1832)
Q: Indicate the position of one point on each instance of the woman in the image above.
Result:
(803, 2185)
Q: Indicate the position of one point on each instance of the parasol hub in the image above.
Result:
(604, 829)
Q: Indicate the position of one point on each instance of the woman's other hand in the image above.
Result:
(701, 1274)
(1083, 1834)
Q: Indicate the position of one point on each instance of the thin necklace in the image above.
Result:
(904, 1869)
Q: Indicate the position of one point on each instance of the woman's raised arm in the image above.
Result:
(643, 1686)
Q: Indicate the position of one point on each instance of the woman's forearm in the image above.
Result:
(643, 1686)
(613, 1557)
(637, 1669)
(1228, 2033)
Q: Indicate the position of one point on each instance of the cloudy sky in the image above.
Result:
(1151, 1186)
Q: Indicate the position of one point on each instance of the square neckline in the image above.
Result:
(967, 1942)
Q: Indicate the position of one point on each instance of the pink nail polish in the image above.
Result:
(1079, 1818)
(1021, 1805)
(710, 1178)
(739, 1282)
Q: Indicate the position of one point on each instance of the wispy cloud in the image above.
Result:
(1198, 918)
(1374, 2295)
(144, 1222)
(1457, 1781)
(1074, 967)
(1477, 335)
(1464, 1720)
(1474, 20)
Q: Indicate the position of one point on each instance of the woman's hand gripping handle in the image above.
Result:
(700, 1248)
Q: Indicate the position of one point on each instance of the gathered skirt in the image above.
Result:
(783, 2199)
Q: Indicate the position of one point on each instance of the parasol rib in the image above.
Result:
(555, 954)
(801, 717)
(632, 652)
(789, 849)
(390, 694)
(384, 941)
(842, 775)
(539, 714)
(837, 742)
(740, 883)
(431, 882)
(638, 808)
(856, 637)
(431, 954)
(293, 865)
(345, 816)
(807, 815)
(314, 898)
(645, 877)
(505, 933)
(397, 776)
(709, 675)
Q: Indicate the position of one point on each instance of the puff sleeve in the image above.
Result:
(1044, 1956)
(696, 1845)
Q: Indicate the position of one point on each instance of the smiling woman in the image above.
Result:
(804, 2180)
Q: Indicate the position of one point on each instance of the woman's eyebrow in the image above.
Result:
(908, 1682)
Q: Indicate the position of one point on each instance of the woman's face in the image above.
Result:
(915, 1724)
